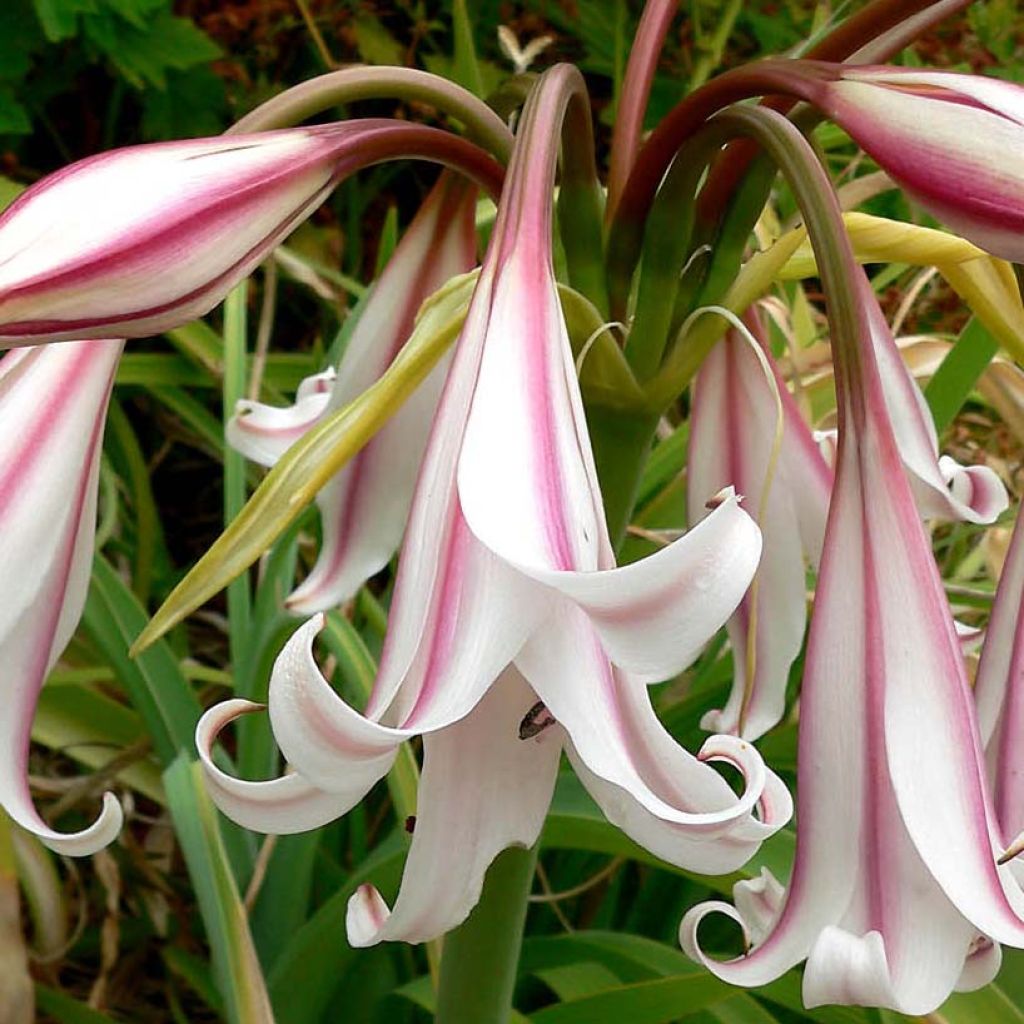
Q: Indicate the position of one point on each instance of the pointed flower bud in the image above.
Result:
(954, 142)
(145, 238)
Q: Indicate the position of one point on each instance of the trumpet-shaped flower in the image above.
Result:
(53, 401)
(365, 507)
(895, 892)
(953, 142)
(511, 633)
(141, 239)
(733, 425)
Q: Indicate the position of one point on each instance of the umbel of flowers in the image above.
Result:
(506, 479)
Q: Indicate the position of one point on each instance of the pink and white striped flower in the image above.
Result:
(141, 239)
(365, 507)
(895, 880)
(512, 634)
(53, 402)
(954, 142)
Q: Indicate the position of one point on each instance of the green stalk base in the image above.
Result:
(478, 966)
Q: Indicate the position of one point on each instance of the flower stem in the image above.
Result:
(478, 967)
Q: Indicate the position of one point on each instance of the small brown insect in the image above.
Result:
(535, 721)
(410, 824)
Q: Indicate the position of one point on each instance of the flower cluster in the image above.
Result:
(504, 483)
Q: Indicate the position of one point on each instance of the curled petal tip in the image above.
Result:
(365, 917)
(101, 833)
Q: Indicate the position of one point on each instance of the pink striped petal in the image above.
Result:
(52, 407)
(465, 818)
(732, 432)
(148, 237)
(647, 785)
(276, 806)
(365, 509)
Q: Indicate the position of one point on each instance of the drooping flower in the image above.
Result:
(365, 507)
(895, 895)
(954, 142)
(142, 239)
(53, 403)
(733, 424)
(506, 573)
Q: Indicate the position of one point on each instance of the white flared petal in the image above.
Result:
(981, 966)
(666, 799)
(331, 744)
(263, 433)
(464, 818)
(52, 407)
(847, 969)
(365, 508)
(655, 615)
(276, 806)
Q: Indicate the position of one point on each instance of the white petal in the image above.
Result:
(666, 799)
(276, 806)
(464, 818)
(263, 433)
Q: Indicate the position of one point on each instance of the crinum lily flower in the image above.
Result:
(512, 635)
(953, 142)
(731, 444)
(142, 239)
(364, 508)
(895, 885)
(53, 403)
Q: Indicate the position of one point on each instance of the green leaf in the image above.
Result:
(144, 55)
(660, 1001)
(235, 966)
(154, 681)
(93, 729)
(59, 18)
(193, 103)
(376, 45)
(297, 477)
(66, 1010)
(959, 371)
(306, 973)
(14, 118)
(466, 69)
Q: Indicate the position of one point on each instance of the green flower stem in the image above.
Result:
(481, 956)
(349, 85)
